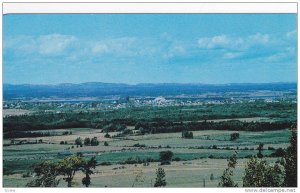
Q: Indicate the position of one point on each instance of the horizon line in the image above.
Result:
(135, 84)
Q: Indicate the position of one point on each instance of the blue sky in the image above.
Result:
(149, 48)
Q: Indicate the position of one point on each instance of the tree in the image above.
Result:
(78, 141)
(107, 135)
(69, 166)
(258, 173)
(87, 170)
(226, 178)
(165, 157)
(187, 134)
(160, 178)
(94, 141)
(234, 136)
(87, 141)
(105, 143)
(260, 148)
(291, 160)
(46, 173)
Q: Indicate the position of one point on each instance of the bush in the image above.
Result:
(211, 177)
(78, 141)
(278, 153)
(105, 143)
(65, 133)
(271, 148)
(87, 141)
(107, 135)
(127, 131)
(62, 143)
(234, 136)
(94, 141)
(187, 135)
(139, 145)
(105, 164)
(165, 157)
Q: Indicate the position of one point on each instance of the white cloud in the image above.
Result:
(20, 43)
(125, 46)
(99, 48)
(44, 45)
(231, 55)
(54, 43)
(291, 34)
(224, 41)
(213, 42)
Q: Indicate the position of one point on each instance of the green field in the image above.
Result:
(194, 160)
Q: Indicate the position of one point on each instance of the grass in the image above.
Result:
(178, 174)
(19, 158)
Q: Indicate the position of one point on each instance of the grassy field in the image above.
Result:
(199, 157)
(19, 158)
(178, 174)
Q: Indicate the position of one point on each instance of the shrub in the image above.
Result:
(107, 135)
(234, 136)
(105, 164)
(165, 157)
(211, 177)
(105, 143)
(139, 145)
(271, 148)
(94, 141)
(78, 141)
(187, 135)
(87, 141)
(62, 143)
(278, 153)
(127, 131)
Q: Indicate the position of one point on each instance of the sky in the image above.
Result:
(149, 48)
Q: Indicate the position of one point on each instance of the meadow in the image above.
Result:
(125, 149)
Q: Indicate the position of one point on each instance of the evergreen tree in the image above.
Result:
(160, 178)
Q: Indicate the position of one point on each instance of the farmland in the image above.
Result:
(130, 133)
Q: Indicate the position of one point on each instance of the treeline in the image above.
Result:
(22, 127)
(169, 127)
(26, 134)
(131, 116)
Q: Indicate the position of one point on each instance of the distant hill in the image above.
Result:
(94, 89)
